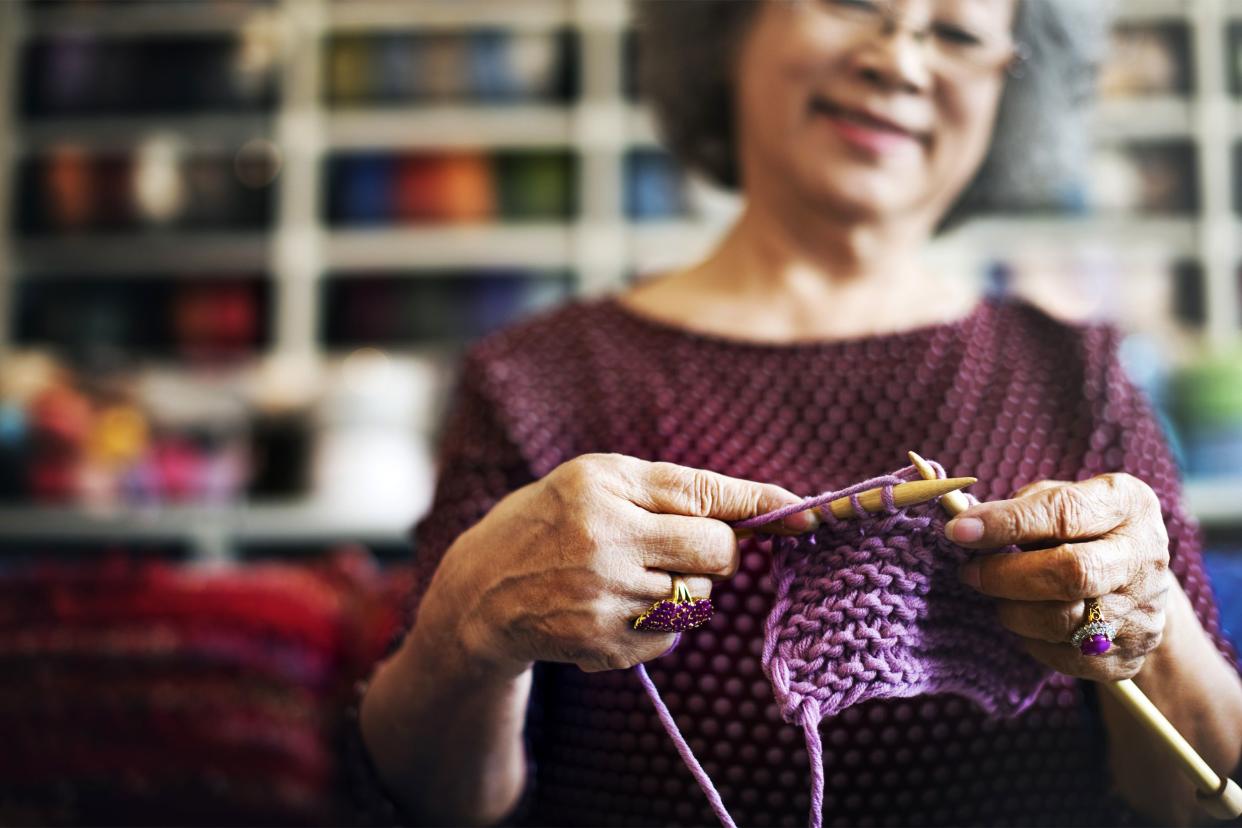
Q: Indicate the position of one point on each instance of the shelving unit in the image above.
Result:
(600, 245)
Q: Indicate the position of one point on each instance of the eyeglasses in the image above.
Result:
(954, 46)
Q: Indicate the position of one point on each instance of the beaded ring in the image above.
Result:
(680, 613)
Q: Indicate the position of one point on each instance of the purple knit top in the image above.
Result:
(1007, 394)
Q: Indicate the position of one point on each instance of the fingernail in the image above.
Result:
(964, 530)
(802, 521)
(969, 574)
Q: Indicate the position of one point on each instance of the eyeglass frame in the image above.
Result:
(891, 24)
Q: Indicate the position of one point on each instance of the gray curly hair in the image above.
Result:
(1039, 144)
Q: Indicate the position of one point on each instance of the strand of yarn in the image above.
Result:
(884, 482)
(687, 755)
(815, 753)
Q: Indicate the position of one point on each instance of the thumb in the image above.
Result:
(668, 488)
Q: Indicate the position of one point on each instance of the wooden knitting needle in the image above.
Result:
(904, 494)
(1220, 796)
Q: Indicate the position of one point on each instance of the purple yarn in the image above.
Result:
(687, 755)
(872, 608)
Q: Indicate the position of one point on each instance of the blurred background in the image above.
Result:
(242, 244)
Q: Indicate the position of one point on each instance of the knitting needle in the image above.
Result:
(1220, 797)
(904, 494)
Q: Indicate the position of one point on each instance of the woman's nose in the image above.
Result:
(897, 61)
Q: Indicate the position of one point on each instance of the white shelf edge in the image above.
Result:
(1129, 235)
(1145, 117)
(273, 522)
(448, 126)
(1215, 502)
(423, 14)
(533, 245)
(1151, 10)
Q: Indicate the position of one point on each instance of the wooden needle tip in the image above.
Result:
(929, 489)
(1225, 804)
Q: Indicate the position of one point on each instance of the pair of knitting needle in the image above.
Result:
(1220, 796)
(872, 500)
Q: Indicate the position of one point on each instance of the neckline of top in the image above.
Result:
(613, 304)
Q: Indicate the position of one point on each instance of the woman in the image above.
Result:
(601, 447)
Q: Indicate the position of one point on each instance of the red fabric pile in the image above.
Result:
(153, 693)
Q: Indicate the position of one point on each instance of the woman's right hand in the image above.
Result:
(559, 569)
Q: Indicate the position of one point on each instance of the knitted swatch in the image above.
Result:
(872, 608)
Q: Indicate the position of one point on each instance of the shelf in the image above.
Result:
(1215, 502)
(642, 128)
(1152, 10)
(584, 126)
(449, 126)
(209, 530)
(424, 14)
(657, 245)
(201, 132)
(139, 253)
(532, 245)
(211, 533)
(1153, 117)
(1125, 235)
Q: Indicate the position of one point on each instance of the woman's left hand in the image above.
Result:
(1100, 538)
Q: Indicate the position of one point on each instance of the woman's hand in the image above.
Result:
(1102, 538)
(559, 569)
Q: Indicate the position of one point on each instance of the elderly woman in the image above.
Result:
(598, 448)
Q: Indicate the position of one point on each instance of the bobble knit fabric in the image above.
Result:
(1006, 394)
(870, 607)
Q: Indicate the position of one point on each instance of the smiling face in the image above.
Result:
(845, 110)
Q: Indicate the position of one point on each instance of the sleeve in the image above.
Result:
(1129, 438)
(477, 464)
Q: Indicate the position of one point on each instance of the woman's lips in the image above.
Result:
(866, 131)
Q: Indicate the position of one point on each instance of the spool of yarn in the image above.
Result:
(537, 185)
(362, 188)
(653, 186)
(349, 70)
(449, 187)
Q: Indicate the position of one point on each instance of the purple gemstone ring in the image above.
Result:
(1095, 637)
(678, 614)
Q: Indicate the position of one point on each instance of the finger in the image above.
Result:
(1039, 486)
(657, 584)
(810, 518)
(1068, 572)
(693, 545)
(1075, 511)
(1065, 658)
(668, 488)
(1055, 621)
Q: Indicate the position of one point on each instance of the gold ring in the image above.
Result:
(679, 613)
